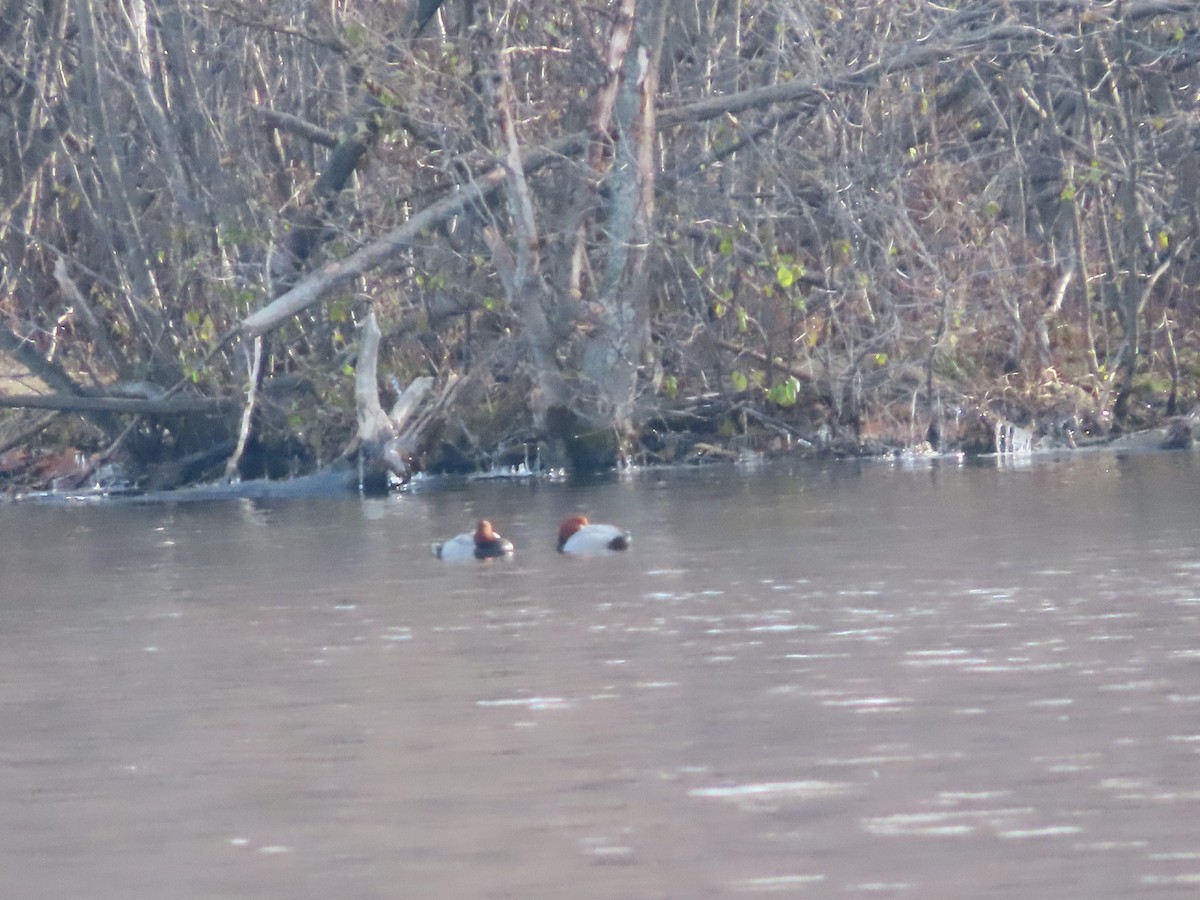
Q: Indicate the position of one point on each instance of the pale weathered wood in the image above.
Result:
(375, 429)
(334, 274)
(235, 459)
(385, 442)
(409, 401)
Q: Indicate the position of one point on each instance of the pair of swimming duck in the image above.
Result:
(576, 535)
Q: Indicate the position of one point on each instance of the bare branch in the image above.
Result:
(333, 275)
(297, 126)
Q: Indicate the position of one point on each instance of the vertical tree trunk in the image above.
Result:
(1134, 232)
(520, 269)
(614, 350)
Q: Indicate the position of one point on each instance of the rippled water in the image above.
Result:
(864, 680)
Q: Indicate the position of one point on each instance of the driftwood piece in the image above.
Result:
(421, 418)
(409, 400)
(386, 442)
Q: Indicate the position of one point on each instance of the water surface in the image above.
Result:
(832, 680)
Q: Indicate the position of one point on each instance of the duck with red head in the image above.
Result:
(482, 543)
(579, 536)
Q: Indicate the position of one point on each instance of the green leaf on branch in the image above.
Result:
(784, 393)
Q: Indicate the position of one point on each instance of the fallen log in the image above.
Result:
(164, 406)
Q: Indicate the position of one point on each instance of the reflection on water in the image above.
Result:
(932, 682)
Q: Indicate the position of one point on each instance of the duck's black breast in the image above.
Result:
(493, 549)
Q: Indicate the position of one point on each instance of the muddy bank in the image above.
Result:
(70, 475)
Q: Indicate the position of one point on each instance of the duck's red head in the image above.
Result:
(488, 544)
(484, 533)
(569, 527)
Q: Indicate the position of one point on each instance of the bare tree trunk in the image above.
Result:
(1136, 245)
(613, 352)
(520, 271)
(600, 142)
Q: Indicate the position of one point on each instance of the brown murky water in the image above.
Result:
(879, 681)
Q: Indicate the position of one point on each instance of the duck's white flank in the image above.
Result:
(482, 543)
(578, 535)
